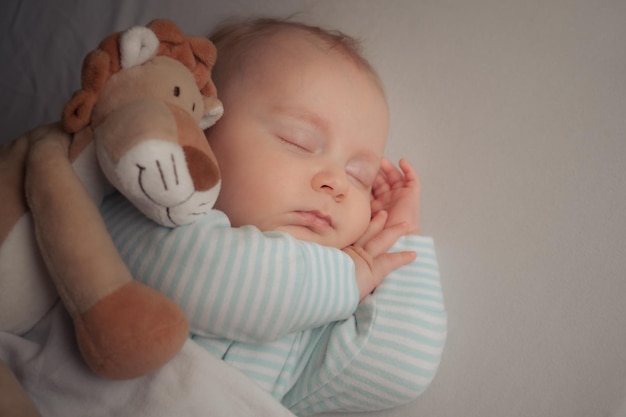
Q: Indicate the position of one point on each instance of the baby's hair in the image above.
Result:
(232, 37)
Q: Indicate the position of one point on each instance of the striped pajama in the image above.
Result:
(286, 313)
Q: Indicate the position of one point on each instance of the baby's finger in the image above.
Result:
(383, 241)
(380, 185)
(393, 175)
(410, 175)
(377, 206)
(387, 262)
(377, 224)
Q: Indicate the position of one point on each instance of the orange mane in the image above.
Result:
(196, 53)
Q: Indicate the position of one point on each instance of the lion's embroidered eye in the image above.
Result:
(193, 108)
(176, 91)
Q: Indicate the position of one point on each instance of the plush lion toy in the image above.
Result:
(138, 120)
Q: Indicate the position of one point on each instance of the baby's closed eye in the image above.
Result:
(298, 143)
(299, 138)
(361, 172)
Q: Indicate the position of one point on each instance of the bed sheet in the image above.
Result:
(43, 43)
(47, 363)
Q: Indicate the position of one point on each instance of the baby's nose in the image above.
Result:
(332, 183)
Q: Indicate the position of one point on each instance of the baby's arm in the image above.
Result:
(387, 353)
(236, 283)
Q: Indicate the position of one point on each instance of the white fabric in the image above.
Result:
(20, 259)
(194, 383)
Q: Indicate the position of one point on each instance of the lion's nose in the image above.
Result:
(203, 170)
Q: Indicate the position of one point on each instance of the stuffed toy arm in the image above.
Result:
(26, 292)
(124, 329)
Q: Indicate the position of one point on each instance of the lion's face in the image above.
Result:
(150, 144)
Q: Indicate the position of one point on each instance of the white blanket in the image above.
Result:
(194, 383)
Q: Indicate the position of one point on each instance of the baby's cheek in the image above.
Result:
(360, 220)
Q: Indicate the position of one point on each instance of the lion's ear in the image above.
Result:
(137, 45)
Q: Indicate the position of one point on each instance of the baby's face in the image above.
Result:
(300, 143)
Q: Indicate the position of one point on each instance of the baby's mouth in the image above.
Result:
(315, 220)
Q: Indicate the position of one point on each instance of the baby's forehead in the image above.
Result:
(287, 41)
(247, 53)
(337, 50)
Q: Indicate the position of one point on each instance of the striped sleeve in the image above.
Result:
(235, 283)
(388, 352)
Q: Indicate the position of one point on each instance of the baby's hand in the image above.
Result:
(370, 256)
(398, 193)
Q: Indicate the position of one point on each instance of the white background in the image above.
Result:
(513, 113)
